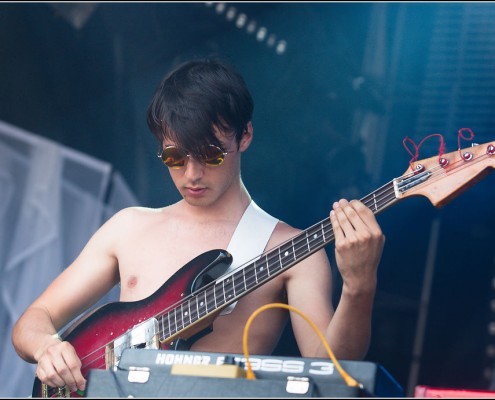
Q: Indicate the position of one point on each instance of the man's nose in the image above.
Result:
(194, 169)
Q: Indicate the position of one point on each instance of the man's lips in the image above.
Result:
(195, 191)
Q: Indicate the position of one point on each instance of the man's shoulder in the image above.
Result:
(136, 212)
(282, 232)
(130, 216)
(139, 210)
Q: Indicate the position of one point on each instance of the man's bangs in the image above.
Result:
(192, 137)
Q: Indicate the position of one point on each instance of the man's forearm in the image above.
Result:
(349, 332)
(32, 333)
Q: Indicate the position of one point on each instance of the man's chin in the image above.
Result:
(197, 201)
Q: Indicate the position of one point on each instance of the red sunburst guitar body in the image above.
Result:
(93, 336)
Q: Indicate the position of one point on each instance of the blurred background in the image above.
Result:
(337, 88)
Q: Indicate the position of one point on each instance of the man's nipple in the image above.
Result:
(132, 282)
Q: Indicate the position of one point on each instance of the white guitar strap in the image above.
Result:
(249, 239)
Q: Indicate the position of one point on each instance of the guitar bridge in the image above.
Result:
(142, 336)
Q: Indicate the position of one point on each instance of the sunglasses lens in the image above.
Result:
(173, 157)
(213, 156)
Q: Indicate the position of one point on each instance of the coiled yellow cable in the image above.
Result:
(250, 374)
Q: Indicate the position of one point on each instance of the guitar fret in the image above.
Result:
(189, 310)
(272, 261)
(189, 307)
(315, 238)
(162, 321)
(233, 285)
(182, 323)
(181, 317)
(169, 324)
(261, 269)
(178, 313)
(223, 297)
(204, 306)
(194, 311)
(329, 228)
(300, 251)
(285, 253)
(223, 291)
(238, 283)
(227, 291)
(218, 297)
(215, 296)
(210, 300)
(250, 276)
(300, 246)
(197, 308)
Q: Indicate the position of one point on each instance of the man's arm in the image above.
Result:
(58, 363)
(87, 279)
(358, 248)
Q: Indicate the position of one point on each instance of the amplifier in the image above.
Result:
(171, 373)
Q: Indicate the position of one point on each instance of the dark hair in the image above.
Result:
(196, 96)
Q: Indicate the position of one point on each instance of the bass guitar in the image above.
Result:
(187, 304)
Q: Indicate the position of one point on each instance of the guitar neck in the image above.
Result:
(236, 284)
(246, 278)
(438, 179)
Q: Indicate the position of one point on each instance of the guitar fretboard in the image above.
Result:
(229, 288)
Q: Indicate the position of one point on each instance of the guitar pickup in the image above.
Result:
(142, 336)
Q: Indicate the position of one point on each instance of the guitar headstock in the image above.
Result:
(441, 179)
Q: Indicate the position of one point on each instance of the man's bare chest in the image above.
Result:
(152, 258)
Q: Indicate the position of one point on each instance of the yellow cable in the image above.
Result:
(250, 374)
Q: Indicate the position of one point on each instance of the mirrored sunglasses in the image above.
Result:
(172, 157)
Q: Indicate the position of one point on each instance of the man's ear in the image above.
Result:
(247, 137)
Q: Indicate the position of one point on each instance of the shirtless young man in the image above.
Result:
(199, 104)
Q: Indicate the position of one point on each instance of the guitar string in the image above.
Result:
(386, 196)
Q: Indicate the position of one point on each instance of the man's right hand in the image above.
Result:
(59, 366)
